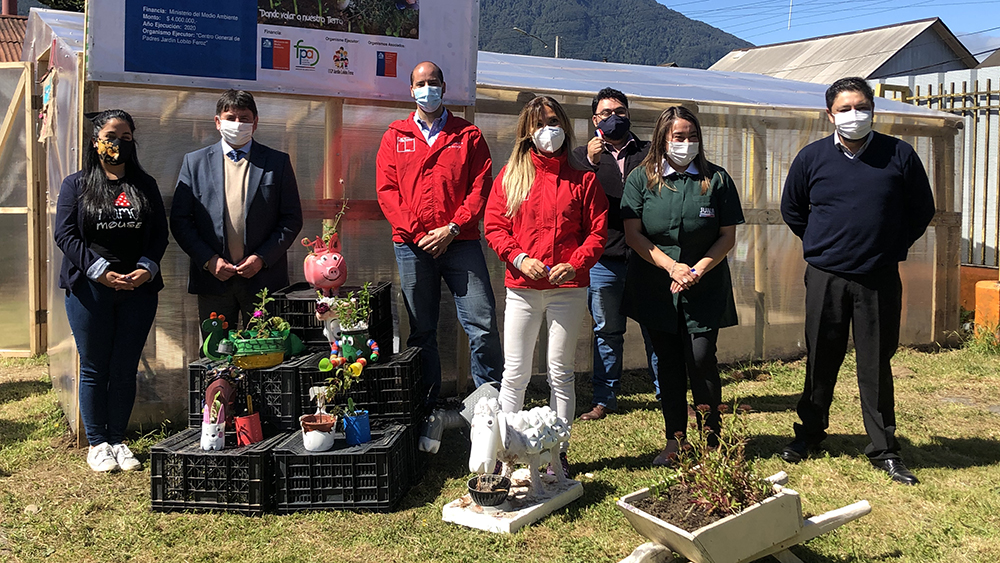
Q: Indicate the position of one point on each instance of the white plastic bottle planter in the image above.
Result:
(317, 431)
(213, 434)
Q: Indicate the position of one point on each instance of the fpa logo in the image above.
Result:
(306, 55)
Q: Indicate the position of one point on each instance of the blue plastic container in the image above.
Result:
(357, 429)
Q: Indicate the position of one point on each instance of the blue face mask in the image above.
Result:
(428, 98)
(615, 127)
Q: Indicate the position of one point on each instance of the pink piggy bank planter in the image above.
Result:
(324, 267)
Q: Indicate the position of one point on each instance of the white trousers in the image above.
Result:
(564, 309)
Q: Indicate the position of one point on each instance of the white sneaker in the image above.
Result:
(126, 460)
(101, 458)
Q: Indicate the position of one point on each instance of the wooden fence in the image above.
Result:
(975, 95)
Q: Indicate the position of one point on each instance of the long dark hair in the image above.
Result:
(98, 194)
(658, 148)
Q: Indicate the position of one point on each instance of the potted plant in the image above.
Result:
(324, 267)
(352, 313)
(262, 342)
(712, 507)
(318, 428)
(357, 428)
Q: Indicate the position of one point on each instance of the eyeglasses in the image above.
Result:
(620, 111)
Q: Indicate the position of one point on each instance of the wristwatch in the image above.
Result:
(454, 229)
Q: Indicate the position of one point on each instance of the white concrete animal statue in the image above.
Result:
(526, 437)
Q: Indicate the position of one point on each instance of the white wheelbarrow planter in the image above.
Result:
(767, 528)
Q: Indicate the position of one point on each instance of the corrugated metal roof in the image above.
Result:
(544, 74)
(990, 61)
(11, 37)
(825, 59)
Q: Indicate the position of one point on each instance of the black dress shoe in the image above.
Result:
(895, 468)
(797, 450)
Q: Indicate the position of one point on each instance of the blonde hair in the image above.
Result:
(658, 148)
(520, 172)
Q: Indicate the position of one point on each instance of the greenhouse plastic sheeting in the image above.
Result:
(543, 74)
(14, 310)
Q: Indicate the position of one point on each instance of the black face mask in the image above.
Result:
(615, 127)
(116, 151)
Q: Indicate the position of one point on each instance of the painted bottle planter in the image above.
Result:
(259, 353)
(324, 266)
(354, 344)
(318, 431)
(357, 428)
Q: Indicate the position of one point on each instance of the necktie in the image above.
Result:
(235, 155)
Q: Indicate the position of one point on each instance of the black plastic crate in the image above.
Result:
(298, 301)
(275, 392)
(371, 477)
(390, 390)
(185, 477)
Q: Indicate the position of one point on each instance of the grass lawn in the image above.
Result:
(53, 508)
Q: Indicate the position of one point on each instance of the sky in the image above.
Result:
(762, 22)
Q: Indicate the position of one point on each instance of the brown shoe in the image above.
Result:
(596, 413)
(668, 456)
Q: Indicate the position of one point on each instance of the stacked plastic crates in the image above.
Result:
(370, 476)
(235, 479)
(278, 473)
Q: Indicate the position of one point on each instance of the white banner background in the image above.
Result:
(448, 35)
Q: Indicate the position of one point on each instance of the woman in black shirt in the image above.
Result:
(112, 231)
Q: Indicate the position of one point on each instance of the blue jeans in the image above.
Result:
(110, 329)
(607, 284)
(463, 268)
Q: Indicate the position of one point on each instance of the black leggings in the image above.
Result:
(684, 355)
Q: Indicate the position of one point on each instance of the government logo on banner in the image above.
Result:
(275, 54)
(385, 64)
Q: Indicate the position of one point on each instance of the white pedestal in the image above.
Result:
(518, 510)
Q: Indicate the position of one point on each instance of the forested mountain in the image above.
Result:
(623, 31)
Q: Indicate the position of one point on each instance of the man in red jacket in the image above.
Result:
(434, 175)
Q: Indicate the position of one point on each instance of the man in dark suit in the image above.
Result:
(235, 212)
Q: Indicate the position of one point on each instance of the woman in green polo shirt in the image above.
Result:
(680, 213)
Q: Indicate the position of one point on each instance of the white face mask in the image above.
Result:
(549, 138)
(853, 125)
(428, 98)
(236, 133)
(682, 153)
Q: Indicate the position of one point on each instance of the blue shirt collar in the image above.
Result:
(668, 170)
(245, 148)
(435, 127)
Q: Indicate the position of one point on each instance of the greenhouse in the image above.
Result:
(753, 126)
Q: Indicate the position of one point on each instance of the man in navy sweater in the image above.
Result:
(858, 200)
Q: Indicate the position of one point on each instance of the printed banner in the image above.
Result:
(340, 48)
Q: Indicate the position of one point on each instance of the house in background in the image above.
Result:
(909, 48)
(991, 61)
(11, 37)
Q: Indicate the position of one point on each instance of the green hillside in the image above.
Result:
(625, 31)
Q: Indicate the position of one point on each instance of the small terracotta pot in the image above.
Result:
(318, 422)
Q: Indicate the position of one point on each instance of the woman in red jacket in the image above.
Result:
(547, 220)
